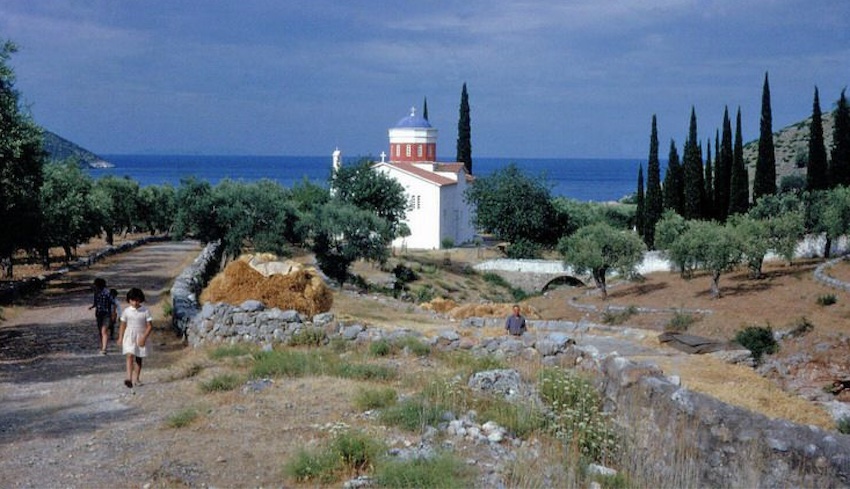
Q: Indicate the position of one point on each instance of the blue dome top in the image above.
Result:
(413, 120)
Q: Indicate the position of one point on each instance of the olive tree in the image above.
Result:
(601, 249)
(515, 207)
(68, 217)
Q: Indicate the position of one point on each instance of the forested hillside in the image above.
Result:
(60, 148)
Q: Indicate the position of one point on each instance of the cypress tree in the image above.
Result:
(723, 170)
(709, 186)
(464, 133)
(640, 212)
(739, 188)
(673, 191)
(654, 200)
(693, 186)
(765, 180)
(840, 164)
(816, 173)
(425, 108)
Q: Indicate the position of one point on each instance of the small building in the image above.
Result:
(437, 212)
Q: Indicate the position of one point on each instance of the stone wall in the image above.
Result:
(721, 445)
(187, 287)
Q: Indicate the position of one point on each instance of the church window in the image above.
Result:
(407, 150)
(419, 150)
(418, 201)
(397, 150)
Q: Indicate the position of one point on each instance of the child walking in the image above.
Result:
(136, 327)
(102, 305)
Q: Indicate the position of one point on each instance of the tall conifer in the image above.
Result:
(425, 108)
(709, 183)
(464, 133)
(654, 200)
(840, 164)
(723, 170)
(693, 186)
(673, 190)
(739, 188)
(765, 179)
(640, 211)
(817, 177)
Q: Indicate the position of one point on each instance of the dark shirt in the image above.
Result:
(103, 302)
(515, 325)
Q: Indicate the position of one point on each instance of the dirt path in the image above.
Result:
(66, 419)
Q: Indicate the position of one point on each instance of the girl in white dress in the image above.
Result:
(136, 327)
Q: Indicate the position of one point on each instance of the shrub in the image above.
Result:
(288, 363)
(229, 351)
(843, 425)
(680, 321)
(442, 471)
(404, 274)
(425, 293)
(759, 340)
(495, 279)
(182, 418)
(578, 418)
(365, 371)
(380, 348)
(412, 414)
(826, 300)
(414, 345)
(618, 317)
(366, 399)
(221, 383)
(346, 452)
(447, 242)
(308, 337)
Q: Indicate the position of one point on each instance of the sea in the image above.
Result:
(582, 179)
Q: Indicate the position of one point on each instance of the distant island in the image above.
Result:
(59, 149)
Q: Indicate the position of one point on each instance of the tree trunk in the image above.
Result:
(110, 237)
(68, 253)
(715, 285)
(599, 278)
(8, 266)
(827, 247)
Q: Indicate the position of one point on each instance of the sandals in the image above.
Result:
(128, 383)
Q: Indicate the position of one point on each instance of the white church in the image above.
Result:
(436, 209)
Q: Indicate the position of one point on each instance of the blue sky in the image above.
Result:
(567, 78)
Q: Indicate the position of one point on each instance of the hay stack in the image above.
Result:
(300, 288)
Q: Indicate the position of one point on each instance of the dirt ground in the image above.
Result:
(67, 420)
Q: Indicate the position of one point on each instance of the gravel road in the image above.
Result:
(66, 419)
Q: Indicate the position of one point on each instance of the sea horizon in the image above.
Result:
(583, 179)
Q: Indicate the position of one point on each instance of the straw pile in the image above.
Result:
(284, 285)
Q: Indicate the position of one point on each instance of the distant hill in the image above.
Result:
(60, 149)
(791, 145)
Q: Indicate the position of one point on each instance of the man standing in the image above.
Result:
(515, 324)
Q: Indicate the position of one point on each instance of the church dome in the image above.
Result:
(413, 120)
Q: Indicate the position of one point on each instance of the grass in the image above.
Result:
(412, 414)
(374, 398)
(348, 452)
(182, 418)
(444, 471)
(222, 383)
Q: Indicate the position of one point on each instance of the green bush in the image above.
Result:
(414, 345)
(366, 399)
(404, 274)
(759, 340)
(221, 383)
(826, 300)
(424, 293)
